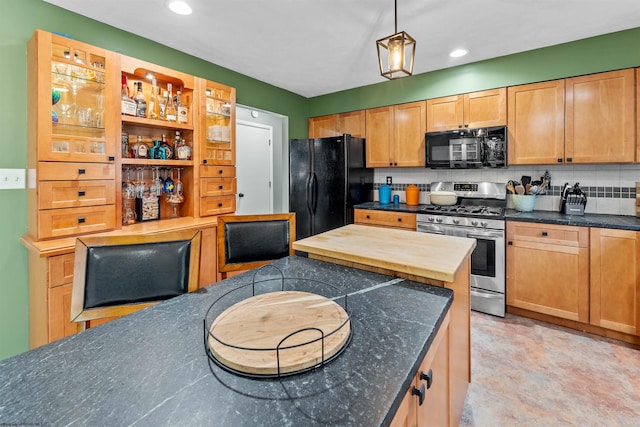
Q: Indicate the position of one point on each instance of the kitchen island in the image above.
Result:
(151, 368)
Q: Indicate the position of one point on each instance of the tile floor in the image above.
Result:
(529, 373)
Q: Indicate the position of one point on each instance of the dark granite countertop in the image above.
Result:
(402, 207)
(622, 222)
(150, 368)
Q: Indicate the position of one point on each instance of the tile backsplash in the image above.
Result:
(611, 189)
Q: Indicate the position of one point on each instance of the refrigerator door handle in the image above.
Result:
(313, 200)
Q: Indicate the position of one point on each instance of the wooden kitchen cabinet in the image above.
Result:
(395, 135)
(615, 280)
(399, 220)
(72, 134)
(600, 118)
(548, 269)
(352, 122)
(431, 380)
(470, 110)
(536, 123)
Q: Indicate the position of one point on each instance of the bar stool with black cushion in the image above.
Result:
(250, 241)
(118, 275)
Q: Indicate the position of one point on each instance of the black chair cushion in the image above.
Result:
(256, 241)
(136, 273)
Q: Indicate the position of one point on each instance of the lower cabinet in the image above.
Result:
(615, 280)
(589, 276)
(548, 269)
(400, 220)
(427, 400)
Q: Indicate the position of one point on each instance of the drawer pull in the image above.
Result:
(219, 205)
(399, 219)
(81, 220)
(545, 234)
(428, 377)
(220, 187)
(204, 162)
(81, 193)
(220, 171)
(368, 217)
(81, 171)
(111, 158)
(418, 392)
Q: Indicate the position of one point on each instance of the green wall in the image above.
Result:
(18, 20)
(604, 53)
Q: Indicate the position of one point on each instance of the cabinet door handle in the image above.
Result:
(545, 234)
(510, 243)
(560, 160)
(428, 377)
(80, 193)
(569, 159)
(390, 163)
(204, 162)
(111, 158)
(418, 392)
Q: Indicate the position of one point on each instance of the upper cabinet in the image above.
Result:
(470, 110)
(352, 123)
(73, 115)
(536, 123)
(587, 119)
(600, 118)
(395, 135)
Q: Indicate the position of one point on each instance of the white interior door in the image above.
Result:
(254, 160)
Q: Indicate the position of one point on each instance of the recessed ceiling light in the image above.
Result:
(180, 7)
(458, 53)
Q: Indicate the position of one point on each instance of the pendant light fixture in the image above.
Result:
(396, 52)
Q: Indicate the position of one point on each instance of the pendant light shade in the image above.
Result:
(396, 53)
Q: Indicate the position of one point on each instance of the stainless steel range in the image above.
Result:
(479, 214)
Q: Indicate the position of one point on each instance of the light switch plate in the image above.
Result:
(12, 179)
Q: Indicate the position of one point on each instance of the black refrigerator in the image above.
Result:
(327, 177)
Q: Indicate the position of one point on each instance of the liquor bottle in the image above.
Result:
(163, 104)
(143, 149)
(141, 102)
(171, 114)
(127, 104)
(153, 109)
(176, 145)
(183, 112)
(183, 151)
(168, 150)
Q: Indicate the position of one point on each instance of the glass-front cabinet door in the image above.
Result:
(75, 101)
(219, 125)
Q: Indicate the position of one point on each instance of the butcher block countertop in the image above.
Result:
(431, 256)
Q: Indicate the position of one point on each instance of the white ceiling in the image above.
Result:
(315, 47)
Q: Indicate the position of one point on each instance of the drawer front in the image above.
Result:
(385, 219)
(76, 148)
(217, 171)
(70, 194)
(61, 171)
(548, 233)
(217, 187)
(217, 205)
(60, 270)
(72, 221)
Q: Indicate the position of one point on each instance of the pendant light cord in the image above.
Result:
(395, 13)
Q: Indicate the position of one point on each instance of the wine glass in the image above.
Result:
(175, 197)
(128, 195)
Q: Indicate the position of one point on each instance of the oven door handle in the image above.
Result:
(486, 295)
(485, 235)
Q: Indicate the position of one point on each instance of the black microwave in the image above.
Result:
(467, 148)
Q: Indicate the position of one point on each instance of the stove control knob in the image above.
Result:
(474, 222)
(456, 221)
(430, 219)
(439, 219)
(484, 224)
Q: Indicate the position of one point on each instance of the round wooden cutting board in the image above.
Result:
(259, 323)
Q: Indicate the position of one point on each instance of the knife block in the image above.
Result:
(572, 209)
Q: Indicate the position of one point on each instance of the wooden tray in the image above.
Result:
(258, 324)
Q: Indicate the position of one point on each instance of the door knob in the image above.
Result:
(240, 194)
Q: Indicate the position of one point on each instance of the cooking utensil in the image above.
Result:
(519, 189)
(525, 180)
(510, 187)
(527, 188)
(443, 198)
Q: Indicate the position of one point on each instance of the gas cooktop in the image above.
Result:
(464, 210)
